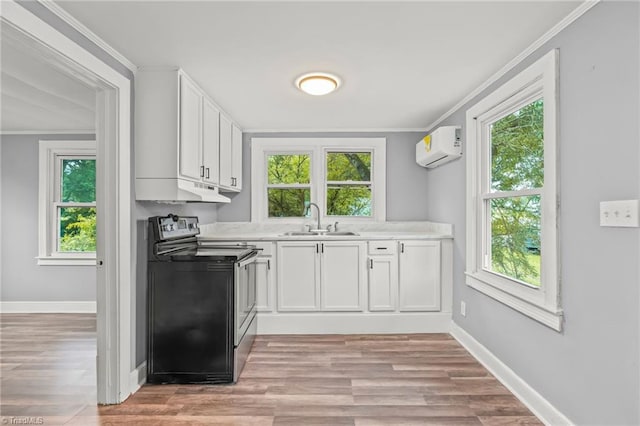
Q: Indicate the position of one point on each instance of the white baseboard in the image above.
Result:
(353, 323)
(542, 408)
(69, 307)
(138, 377)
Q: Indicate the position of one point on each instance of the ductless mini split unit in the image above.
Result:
(439, 147)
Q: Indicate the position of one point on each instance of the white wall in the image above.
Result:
(590, 371)
(403, 176)
(22, 278)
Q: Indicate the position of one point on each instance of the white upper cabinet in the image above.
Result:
(225, 152)
(236, 157)
(190, 143)
(210, 142)
(230, 155)
(179, 131)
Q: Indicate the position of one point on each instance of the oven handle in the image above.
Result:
(247, 260)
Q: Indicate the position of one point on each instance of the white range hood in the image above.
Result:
(174, 190)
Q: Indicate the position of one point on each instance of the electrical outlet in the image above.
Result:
(622, 213)
(463, 309)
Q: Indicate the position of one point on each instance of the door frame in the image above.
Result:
(115, 243)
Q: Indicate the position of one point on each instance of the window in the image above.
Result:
(348, 183)
(512, 194)
(67, 203)
(288, 184)
(344, 176)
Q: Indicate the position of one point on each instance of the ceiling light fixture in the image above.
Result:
(317, 83)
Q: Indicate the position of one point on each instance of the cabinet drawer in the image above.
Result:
(382, 247)
(267, 247)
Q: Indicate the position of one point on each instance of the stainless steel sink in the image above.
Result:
(319, 234)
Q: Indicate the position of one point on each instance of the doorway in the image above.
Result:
(115, 243)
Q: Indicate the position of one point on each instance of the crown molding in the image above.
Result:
(564, 23)
(48, 132)
(347, 130)
(82, 29)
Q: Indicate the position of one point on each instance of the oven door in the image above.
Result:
(245, 295)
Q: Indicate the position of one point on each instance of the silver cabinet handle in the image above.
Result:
(201, 171)
(370, 263)
(401, 247)
(269, 264)
(322, 245)
(207, 172)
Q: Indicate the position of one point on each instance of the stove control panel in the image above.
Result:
(173, 226)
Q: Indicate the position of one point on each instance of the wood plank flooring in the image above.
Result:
(48, 372)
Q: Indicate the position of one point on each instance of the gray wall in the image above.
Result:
(22, 278)
(403, 176)
(589, 371)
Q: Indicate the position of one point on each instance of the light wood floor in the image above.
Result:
(48, 371)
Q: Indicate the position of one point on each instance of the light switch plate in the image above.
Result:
(621, 213)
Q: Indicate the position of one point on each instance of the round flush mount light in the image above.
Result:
(317, 83)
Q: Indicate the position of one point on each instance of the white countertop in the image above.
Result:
(247, 231)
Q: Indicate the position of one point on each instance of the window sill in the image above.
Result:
(541, 314)
(66, 261)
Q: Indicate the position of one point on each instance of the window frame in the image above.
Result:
(318, 149)
(539, 80)
(51, 155)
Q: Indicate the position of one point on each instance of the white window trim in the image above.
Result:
(260, 147)
(541, 304)
(48, 153)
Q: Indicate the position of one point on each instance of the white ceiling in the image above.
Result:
(35, 97)
(403, 64)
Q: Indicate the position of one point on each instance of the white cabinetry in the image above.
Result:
(383, 276)
(342, 275)
(230, 155)
(177, 138)
(321, 276)
(265, 277)
(210, 142)
(190, 140)
(298, 276)
(419, 277)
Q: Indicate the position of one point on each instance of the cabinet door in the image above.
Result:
(383, 283)
(264, 284)
(190, 131)
(210, 142)
(419, 264)
(236, 157)
(226, 152)
(298, 276)
(343, 275)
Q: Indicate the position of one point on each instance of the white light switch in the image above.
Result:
(623, 213)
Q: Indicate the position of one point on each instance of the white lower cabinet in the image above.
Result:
(343, 276)
(265, 278)
(419, 276)
(383, 283)
(298, 276)
(321, 276)
(383, 276)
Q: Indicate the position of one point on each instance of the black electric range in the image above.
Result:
(201, 305)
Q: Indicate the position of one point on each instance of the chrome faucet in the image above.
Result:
(318, 208)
